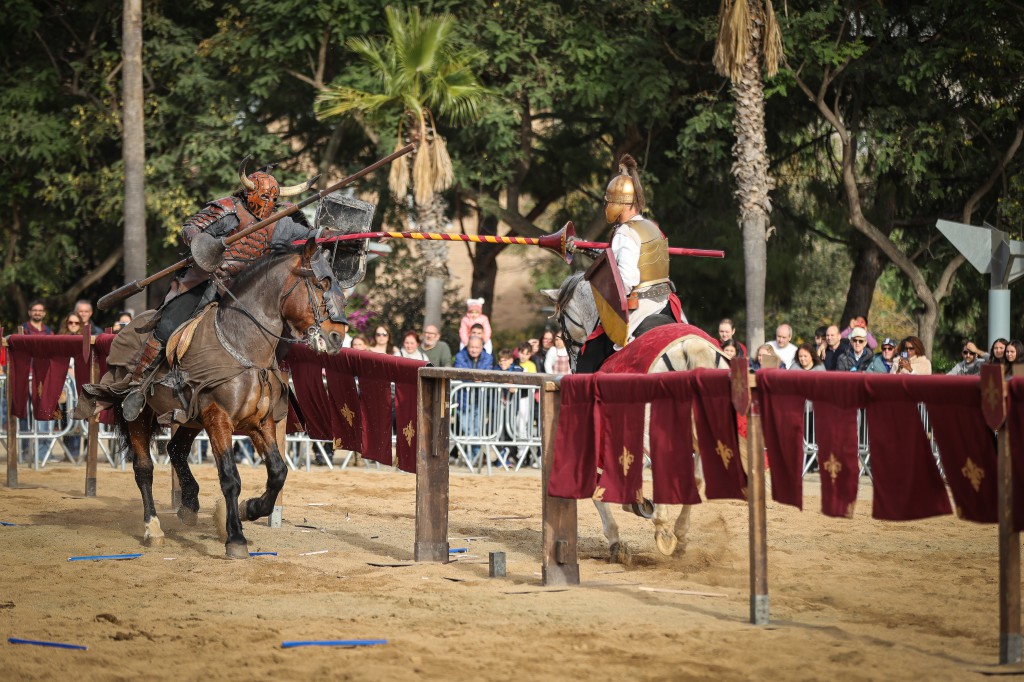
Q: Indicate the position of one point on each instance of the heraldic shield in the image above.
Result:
(610, 296)
(343, 214)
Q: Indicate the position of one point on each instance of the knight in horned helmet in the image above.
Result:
(640, 254)
(216, 264)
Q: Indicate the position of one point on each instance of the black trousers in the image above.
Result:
(600, 348)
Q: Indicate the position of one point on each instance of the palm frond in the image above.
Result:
(444, 174)
(422, 167)
(773, 53)
(398, 176)
(337, 101)
(732, 46)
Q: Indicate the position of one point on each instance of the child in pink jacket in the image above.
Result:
(474, 315)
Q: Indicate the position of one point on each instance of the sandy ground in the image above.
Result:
(850, 600)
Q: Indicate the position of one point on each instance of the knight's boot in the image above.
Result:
(148, 357)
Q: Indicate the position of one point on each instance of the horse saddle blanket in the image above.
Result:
(641, 354)
(181, 339)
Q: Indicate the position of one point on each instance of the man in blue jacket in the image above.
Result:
(473, 356)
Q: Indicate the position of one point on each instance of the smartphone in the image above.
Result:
(904, 355)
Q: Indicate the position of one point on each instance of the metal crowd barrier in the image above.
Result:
(494, 425)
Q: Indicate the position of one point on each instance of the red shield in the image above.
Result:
(610, 296)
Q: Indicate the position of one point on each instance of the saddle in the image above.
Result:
(181, 339)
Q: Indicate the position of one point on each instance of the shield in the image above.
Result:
(610, 296)
(343, 214)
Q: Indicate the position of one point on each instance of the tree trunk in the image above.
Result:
(868, 266)
(485, 266)
(134, 153)
(430, 218)
(753, 181)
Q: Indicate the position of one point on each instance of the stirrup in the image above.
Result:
(131, 406)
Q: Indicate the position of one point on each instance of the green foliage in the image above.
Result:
(932, 91)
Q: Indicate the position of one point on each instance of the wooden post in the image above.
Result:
(92, 448)
(432, 469)
(12, 428)
(1009, 559)
(561, 565)
(758, 516)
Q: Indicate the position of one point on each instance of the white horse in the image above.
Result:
(577, 316)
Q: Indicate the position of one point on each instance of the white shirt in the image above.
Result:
(626, 249)
(787, 354)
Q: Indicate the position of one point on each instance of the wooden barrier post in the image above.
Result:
(746, 400)
(561, 565)
(93, 443)
(432, 469)
(993, 404)
(759, 603)
(12, 428)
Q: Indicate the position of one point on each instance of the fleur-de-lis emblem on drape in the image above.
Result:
(598, 493)
(408, 432)
(626, 459)
(973, 473)
(993, 394)
(348, 414)
(724, 452)
(833, 466)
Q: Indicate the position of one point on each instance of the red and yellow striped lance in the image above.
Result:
(563, 242)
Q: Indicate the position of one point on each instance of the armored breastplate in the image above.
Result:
(239, 255)
(653, 263)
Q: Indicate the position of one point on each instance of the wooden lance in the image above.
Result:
(136, 286)
(563, 242)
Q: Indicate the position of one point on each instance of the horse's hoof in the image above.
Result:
(620, 553)
(187, 516)
(220, 518)
(154, 535)
(236, 550)
(667, 542)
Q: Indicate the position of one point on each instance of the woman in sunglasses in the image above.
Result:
(381, 341)
(910, 358)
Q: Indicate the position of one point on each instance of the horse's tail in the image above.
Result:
(122, 443)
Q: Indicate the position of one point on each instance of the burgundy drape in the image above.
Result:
(601, 426)
(719, 447)
(47, 357)
(324, 410)
(907, 483)
(967, 447)
(573, 472)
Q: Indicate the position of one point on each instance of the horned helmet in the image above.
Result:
(624, 191)
(262, 190)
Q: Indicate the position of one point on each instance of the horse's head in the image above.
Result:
(575, 312)
(315, 312)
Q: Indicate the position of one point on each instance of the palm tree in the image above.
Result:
(421, 73)
(749, 39)
(134, 153)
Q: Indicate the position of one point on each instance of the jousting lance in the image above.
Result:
(563, 242)
(138, 285)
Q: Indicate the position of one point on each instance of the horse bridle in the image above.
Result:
(572, 346)
(327, 309)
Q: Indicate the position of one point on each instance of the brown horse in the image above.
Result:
(227, 381)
